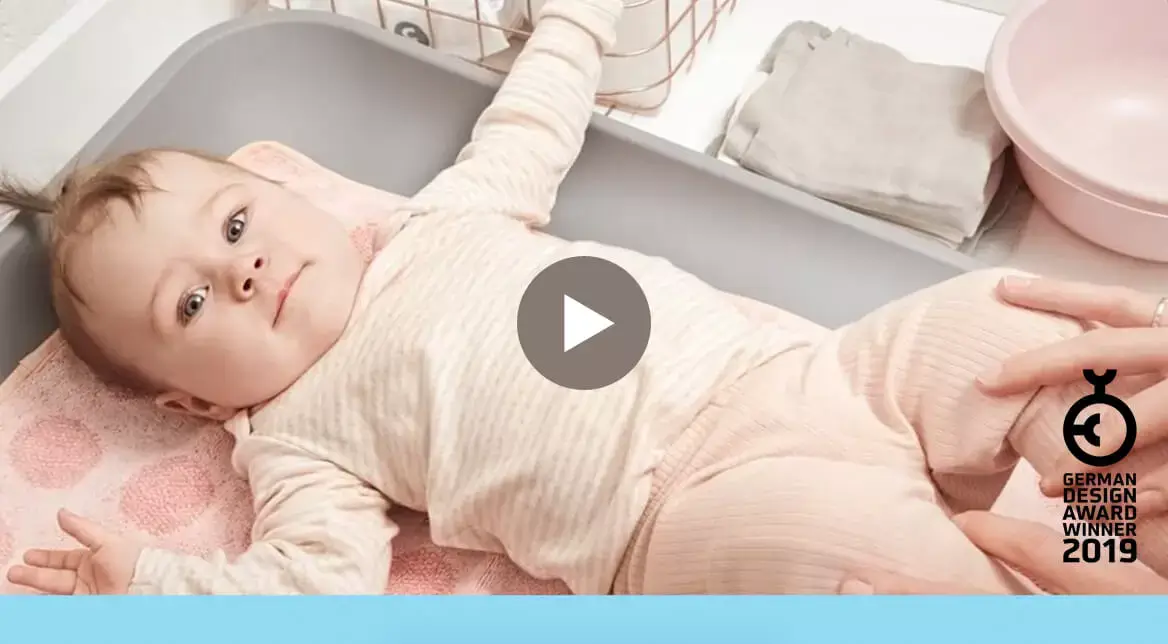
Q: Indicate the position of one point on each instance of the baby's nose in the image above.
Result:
(245, 276)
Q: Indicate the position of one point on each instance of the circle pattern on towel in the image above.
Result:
(364, 238)
(54, 452)
(424, 571)
(5, 543)
(168, 495)
(502, 577)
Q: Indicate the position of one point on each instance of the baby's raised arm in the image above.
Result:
(318, 530)
(531, 134)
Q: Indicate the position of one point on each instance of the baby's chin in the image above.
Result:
(266, 380)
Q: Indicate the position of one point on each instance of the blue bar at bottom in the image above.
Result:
(591, 620)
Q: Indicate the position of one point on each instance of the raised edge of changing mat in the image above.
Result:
(26, 316)
(388, 112)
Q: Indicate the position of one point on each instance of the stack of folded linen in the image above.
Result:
(855, 122)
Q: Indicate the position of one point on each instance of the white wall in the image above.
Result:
(57, 92)
(996, 6)
(22, 21)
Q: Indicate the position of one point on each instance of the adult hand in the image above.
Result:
(1030, 548)
(1130, 341)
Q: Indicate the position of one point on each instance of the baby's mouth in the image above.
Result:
(283, 294)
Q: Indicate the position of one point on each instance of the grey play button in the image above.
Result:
(583, 323)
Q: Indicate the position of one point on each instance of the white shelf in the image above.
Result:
(996, 6)
(924, 30)
(58, 92)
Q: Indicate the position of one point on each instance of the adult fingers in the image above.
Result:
(1152, 494)
(45, 580)
(86, 532)
(59, 559)
(877, 582)
(1149, 408)
(1037, 552)
(1128, 351)
(1117, 306)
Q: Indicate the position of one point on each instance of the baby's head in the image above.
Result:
(194, 280)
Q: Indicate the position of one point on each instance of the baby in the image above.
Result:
(739, 456)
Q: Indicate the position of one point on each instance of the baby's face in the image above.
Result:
(224, 288)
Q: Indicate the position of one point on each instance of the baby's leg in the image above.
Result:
(916, 360)
(798, 525)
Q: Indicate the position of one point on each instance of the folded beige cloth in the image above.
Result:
(856, 122)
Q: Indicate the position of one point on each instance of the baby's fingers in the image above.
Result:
(59, 559)
(86, 532)
(45, 580)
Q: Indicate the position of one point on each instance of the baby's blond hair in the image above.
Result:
(79, 207)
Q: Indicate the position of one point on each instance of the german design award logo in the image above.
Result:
(1099, 523)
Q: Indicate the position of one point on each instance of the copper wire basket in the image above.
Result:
(687, 23)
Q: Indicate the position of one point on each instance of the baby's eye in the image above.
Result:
(235, 226)
(191, 304)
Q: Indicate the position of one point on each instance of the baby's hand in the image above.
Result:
(105, 566)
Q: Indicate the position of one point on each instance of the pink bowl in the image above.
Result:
(1081, 87)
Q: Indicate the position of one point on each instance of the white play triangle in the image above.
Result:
(581, 323)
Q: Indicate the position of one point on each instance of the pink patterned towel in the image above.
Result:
(68, 441)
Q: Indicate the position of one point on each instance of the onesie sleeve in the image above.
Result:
(318, 530)
(526, 140)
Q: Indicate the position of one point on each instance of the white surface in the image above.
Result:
(924, 30)
(996, 6)
(23, 21)
(581, 324)
(56, 93)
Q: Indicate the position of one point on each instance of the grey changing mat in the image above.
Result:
(388, 112)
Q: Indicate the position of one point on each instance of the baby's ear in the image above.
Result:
(192, 406)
